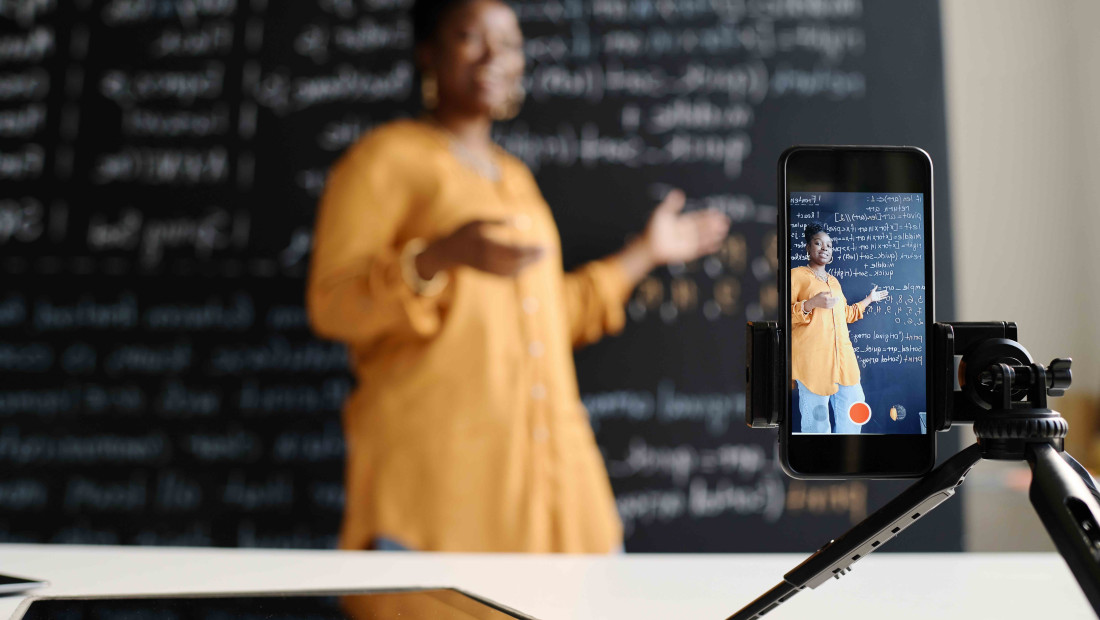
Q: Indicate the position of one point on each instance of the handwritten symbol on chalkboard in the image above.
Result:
(727, 292)
(712, 266)
(651, 293)
(647, 297)
(734, 253)
(339, 8)
(771, 251)
(685, 294)
(769, 298)
(724, 298)
(22, 220)
(301, 241)
(312, 43)
(846, 497)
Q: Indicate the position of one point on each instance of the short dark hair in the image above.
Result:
(812, 229)
(428, 14)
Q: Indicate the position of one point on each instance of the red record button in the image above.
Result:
(859, 413)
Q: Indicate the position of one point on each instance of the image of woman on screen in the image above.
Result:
(437, 260)
(823, 362)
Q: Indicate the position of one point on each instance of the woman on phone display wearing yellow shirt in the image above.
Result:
(436, 259)
(823, 361)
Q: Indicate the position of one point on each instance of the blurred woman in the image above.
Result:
(437, 261)
(823, 361)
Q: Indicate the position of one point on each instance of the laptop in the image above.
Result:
(405, 604)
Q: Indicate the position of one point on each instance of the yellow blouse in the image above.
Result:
(821, 349)
(466, 431)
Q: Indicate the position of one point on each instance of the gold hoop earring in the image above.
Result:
(429, 91)
(510, 109)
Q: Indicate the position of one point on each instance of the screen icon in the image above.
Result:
(859, 412)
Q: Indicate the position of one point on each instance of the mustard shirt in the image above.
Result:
(465, 431)
(821, 349)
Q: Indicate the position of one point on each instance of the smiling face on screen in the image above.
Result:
(820, 249)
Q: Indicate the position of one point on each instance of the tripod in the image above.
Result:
(1062, 491)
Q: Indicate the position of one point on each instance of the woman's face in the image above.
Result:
(820, 249)
(476, 56)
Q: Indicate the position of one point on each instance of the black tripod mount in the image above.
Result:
(998, 388)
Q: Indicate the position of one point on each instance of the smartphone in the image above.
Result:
(856, 292)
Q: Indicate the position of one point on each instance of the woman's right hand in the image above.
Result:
(469, 245)
(821, 300)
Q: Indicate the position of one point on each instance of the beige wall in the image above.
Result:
(1086, 63)
(1023, 108)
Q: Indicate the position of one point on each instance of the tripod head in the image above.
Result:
(989, 379)
(981, 367)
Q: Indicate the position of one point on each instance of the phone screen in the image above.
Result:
(857, 265)
(859, 358)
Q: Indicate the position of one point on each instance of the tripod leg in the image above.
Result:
(1069, 513)
(837, 556)
(1086, 477)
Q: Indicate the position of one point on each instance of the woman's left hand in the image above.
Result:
(876, 294)
(672, 236)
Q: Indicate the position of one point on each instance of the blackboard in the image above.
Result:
(160, 164)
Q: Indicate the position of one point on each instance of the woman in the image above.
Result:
(437, 260)
(823, 362)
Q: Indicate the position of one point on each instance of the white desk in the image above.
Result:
(882, 586)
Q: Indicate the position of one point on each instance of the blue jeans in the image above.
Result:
(381, 543)
(815, 409)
